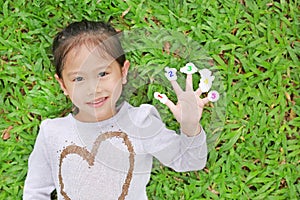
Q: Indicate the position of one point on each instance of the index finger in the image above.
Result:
(176, 88)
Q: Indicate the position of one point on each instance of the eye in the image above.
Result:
(77, 79)
(102, 74)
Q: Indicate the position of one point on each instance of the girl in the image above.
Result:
(105, 150)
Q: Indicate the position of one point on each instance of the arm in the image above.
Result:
(189, 151)
(39, 183)
(179, 152)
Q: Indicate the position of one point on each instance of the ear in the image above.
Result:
(125, 69)
(62, 85)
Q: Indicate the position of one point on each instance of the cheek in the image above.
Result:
(77, 92)
(116, 88)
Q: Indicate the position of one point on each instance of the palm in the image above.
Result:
(189, 108)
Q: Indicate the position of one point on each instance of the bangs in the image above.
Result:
(106, 46)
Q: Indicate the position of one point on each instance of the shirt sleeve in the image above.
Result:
(39, 183)
(179, 152)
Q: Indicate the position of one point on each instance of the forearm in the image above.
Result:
(183, 153)
(193, 153)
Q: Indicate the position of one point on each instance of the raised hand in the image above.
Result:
(189, 107)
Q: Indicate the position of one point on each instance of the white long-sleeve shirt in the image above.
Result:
(111, 159)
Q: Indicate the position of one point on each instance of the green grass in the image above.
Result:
(255, 46)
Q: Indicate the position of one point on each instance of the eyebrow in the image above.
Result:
(105, 67)
(80, 72)
(73, 73)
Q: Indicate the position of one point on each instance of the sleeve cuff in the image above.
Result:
(194, 141)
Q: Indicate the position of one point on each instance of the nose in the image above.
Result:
(94, 87)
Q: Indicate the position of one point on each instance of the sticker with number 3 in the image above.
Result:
(189, 68)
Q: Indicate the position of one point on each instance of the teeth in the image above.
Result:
(99, 101)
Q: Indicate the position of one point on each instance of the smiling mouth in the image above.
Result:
(97, 102)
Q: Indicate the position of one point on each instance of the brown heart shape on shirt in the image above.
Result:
(89, 157)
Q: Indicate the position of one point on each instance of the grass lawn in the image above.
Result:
(254, 45)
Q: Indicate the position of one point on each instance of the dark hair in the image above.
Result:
(99, 34)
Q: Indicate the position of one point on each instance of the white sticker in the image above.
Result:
(171, 74)
(206, 80)
(189, 68)
(213, 96)
(161, 97)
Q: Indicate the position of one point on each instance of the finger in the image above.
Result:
(198, 92)
(171, 106)
(189, 82)
(205, 101)
(164, 100)
(176, 88)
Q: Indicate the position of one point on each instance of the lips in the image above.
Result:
(96, 103)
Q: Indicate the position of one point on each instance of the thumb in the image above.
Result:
(171, 106)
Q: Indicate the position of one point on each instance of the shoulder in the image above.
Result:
(53, 131)
(144, 118)
(56, 126)
(143, 113)
(56, 122)
(144, 110)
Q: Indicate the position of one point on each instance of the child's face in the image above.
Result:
(93, 83)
